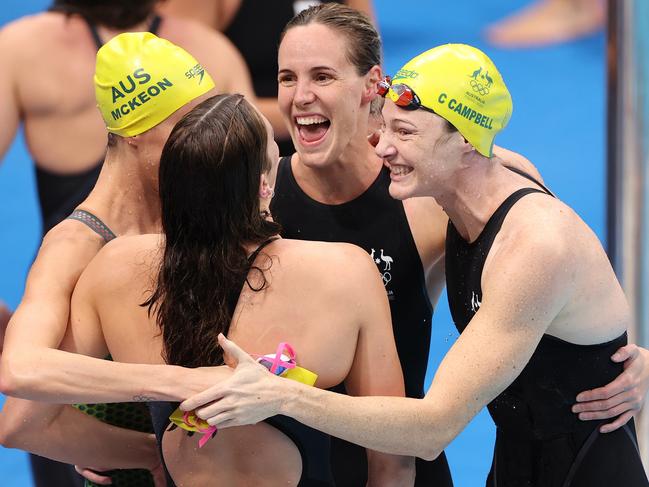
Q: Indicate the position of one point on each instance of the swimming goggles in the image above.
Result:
(401, 94)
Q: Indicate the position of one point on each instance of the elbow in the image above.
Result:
(434, 442)
(7, 379)
(13, 430)
(8, 436)
(11, 383)
(429, 453)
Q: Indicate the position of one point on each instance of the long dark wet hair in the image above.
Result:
(210, 170)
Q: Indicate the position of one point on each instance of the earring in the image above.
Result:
(267, 192)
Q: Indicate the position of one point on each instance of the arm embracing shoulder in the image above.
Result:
(30, 362)
(33, 368)
(521, 297)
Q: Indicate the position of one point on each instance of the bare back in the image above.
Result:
(49, 61)
(327, 300)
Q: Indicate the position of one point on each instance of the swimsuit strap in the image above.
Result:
(234, 295)
(94, 33)
(94, 223)
(154, 25)
(258, 250)
(530, 178)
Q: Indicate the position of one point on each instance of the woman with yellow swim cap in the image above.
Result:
(220, 267)
(530, 288)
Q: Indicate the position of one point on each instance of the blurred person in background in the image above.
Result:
(46, 85)
(546, 22)
(238, 19)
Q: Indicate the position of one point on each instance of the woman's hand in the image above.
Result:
(251, 395)
(624, 397)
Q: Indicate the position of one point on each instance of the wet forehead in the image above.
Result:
(312, 45)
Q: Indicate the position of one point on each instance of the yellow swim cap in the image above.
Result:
(462, 85)
(141, 79)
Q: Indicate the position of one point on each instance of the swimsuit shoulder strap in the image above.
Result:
(257, 251)
(94, 223)
(154, 26)
(234, 296)
(94, 33)
(530, 178)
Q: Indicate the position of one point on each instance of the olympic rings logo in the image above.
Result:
(387, 277)
(479, 87)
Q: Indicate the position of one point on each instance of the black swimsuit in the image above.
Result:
(540, 442)
(377, 223)
(312, 444)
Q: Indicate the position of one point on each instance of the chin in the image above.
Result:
(399, 192)
(318, 158)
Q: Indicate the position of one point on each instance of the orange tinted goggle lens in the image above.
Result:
(402, 95)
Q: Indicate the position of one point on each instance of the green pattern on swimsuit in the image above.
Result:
(134, 416)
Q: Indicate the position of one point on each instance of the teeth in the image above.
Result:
(400, 170)
(310, 120)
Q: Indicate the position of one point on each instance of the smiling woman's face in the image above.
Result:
(418, 148)
(320, 93)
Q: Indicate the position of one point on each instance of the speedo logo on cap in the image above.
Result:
(466, 111)
(406, 73)
(196, 71)
(125, 88)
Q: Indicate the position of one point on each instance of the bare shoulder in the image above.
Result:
(541, 223)
(124, 257)
(69, 240)
(39, 29)
(322, 252)
(329, 261)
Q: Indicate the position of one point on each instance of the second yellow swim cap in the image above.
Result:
(462, 85)
(141, 79)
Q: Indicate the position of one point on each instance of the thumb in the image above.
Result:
(232, 349)
(625, 353)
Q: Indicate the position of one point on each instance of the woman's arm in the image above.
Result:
(31, 365)
(68, 435)
(488, 356)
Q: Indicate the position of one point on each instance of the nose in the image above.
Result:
(384, 147)
(303, 94)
